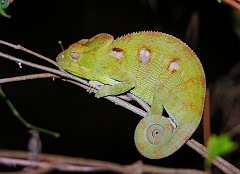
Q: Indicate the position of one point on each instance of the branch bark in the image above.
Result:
(51, 162)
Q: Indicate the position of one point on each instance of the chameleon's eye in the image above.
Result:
(75, 55)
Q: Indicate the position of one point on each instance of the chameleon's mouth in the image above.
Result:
(84, 68)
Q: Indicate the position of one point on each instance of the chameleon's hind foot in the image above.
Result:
(151, 133)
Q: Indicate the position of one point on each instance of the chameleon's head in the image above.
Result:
(78, 59)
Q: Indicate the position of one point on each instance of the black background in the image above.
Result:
(90, 127)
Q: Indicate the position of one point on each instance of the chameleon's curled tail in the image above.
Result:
(150, 134)
(155, 137)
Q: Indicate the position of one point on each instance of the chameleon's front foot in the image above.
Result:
(151, 136)
(102, 92)
(102, 89)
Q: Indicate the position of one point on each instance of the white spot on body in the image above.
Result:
(144, 55)
(116, 54)
(174, 66)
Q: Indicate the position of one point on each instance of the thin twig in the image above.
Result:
(235, 130)
(28, 77)
(19, 47)
(219, 162)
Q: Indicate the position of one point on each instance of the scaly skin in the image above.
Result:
(156, 67)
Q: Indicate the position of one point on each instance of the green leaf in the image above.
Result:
(3, 5)
(219, 145)
(219, 1)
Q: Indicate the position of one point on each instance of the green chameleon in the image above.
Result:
(156, 67)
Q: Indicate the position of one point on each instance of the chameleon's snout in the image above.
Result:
(60, 57)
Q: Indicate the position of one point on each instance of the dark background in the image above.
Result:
(90, 127)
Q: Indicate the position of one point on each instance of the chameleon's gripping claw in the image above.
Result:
(151, 133)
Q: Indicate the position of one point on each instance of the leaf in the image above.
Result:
(219, 1)
(219, 145)
(3, 5)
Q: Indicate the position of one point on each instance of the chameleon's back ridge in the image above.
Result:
(156, 67)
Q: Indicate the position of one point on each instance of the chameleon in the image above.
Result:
(157, 68)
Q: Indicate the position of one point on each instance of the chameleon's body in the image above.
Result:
(156, 67)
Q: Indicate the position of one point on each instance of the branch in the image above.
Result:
(28, 77)
(219, 162)
(70, 164)
(19, 47)
(234, 3)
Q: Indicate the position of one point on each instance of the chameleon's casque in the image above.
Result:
(158, 68)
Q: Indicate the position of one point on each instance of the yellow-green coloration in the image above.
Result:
(156, 67)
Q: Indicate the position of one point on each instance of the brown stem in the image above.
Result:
(206, 118)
